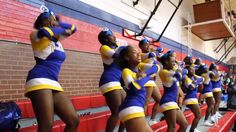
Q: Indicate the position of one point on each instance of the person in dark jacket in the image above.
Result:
(231, 103)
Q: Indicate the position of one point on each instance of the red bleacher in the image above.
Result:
(162, 126)
(225, 123)
(97, 121)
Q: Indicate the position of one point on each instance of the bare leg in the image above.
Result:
(217, 96)
(181, 120)
(180, 97)
(197, 113)
(137, 125)
(170, 117)
(210, 105)
(65, 110)
(156, 95)
(148, 97)
(42, 101)
(114, 100)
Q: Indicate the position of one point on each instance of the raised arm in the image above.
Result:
(107, 52)
(68, 26)
(189, 83)
(149, 68)
(130, 83)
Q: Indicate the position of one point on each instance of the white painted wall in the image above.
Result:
(175, 31)
(129, 13)
(211, 45)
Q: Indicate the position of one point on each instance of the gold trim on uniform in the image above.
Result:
(206, 95)
(215, 90)
(169, 106)
(190, 101)
(131, 113)
(110, 86)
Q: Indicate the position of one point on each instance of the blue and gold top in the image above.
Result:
(109, 54)
(216, 81)
(207, 89)
(135, 85)
(207, 82)
(191, 86)
(169, 97)
(149, 57)
(147, 60)
(49, 56)
(111, 76)
(170, 85)
(132, 106)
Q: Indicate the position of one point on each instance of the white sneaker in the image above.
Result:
(217, 117)
(208, 123)
(196, 130)
(152, 122)
(214, 118)
(218, 114)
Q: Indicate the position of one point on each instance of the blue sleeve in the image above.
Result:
(190, 87)
(140, 83)
(199, 81)
(159, 49)
(151, 55)
(50, 32)
(211, 75)
(118, 50)
(184, 71)
(152, 70)
(178, 76)
(68, 26)
(196, 67)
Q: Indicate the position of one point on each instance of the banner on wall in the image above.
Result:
(121, 42)
(132, 35)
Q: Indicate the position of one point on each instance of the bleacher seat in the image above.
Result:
(225, 123)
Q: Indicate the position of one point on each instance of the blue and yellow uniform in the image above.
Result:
(169, 98)
(111, 76)
(149, 57)
(49, 56)
(191, 85)
(180, 74)
(216, 81)
(133, 105)
(147, 60)
(207, 89)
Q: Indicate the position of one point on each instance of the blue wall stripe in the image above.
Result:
(36, 3)
(87, 13)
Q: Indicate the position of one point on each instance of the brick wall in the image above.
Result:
(79, 74)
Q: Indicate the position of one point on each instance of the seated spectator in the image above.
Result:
(231, 103)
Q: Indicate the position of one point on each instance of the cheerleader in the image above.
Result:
(169, 106)
(190, 84)
(188, 60)
(109, 84)
(152, 90)
(134, 77)
(216, 89)
(198, 62)
(206, 92)
(181, 71)
(42, 86)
